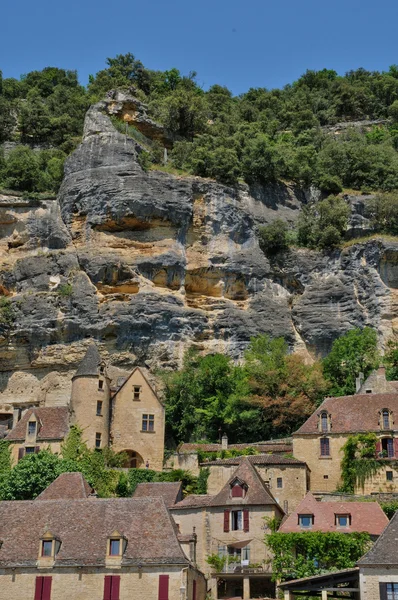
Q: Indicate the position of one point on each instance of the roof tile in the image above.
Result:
(53, 424)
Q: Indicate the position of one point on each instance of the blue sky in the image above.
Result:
(237, 43)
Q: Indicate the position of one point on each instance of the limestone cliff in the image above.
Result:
(148, 263)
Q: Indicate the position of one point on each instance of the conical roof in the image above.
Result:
(90, 363)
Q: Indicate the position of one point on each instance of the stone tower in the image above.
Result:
(90, 399)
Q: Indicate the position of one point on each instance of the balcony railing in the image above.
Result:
(242, 568)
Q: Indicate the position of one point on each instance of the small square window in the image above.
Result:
(279, 482)
(343, 520)
(114, 548)
(326, 476)
(389, 475)
(30, 450)
(31, 427)
(100, 384)
(137, 392)
(99, 408)
(47, 548)
(98, 440)
(306, 521)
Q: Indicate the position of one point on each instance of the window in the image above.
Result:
(392, 591)
(236, 520)
(386, 419)
(325, 448)
(137, 392)
(114, 547)
(29, 450)
(100, 385)
(368, 391)
(324, 422)
(246, 555)
(102, 370)
(387, 446)
(43, 588)
(279, 482)
(237, 490)
(148, 422)
(306, 521)
(98, 440)
(343, 520)
(326, 476)
(47, 547)
(31, 427)
(99, 408)
(112, 587)
(389, 475)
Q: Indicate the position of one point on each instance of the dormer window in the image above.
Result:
(343, 520)
(324, 422)
(102, 369)
(49, 546)
(116, 545)
(306, 521)
(385, 419)
(238, 488)
(32, 428)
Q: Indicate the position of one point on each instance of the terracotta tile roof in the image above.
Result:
(171, 492)
(271, 446)
(90, 364)
(83, 527)
(67, 486)
(385, 550)
(257, 459)
(365, 516)
(257, 492)
(350, 414)
(53, 424)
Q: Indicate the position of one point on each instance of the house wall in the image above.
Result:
(55, 447)
(325, 472)
(294, 482)
(379, 483)
(370, 578)
(84, 583)
(85, 394)
(126, 426)
(187, 461)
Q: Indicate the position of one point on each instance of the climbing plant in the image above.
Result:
(359, 462)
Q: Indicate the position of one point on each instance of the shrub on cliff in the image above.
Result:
(323, 224)
(274, 237)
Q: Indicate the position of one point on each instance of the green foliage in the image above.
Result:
(297, 555)
(27, 170)
(229, 453)
(390, 508)
(65, 290)
(358, 462)
(189, 481)
(353, 353)
(323, 224)
(202, 480)
(391, 359)
(217, 562)
(274, 237)
(7, 315)
(384, 213)
(31, 476)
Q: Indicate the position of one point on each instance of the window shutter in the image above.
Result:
(163, 587)
(37, 449)
(194, 590)
(396, 447)
(383, 591)
(378, 448)
(246, 520)
(21, 452)
(107, 587)
(39, 588)
(115, 587)
(237, 491)
(46, 594)
(226, 520)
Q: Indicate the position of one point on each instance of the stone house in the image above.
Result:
(343, 517)
(319, 441)
(286, 477)
(232, 525)
(85, 547)
(39, 428)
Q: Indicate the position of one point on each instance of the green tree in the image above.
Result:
(384, 213)
(353, 353)
(323, 224)
(391, 359)
(31, 476)
(274, 237)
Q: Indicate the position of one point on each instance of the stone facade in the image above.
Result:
(325, 471)
(370, 579)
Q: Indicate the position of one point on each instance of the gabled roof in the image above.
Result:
(377, 383)
(385, 550)
(129, 377)
(67, 486)
(351, 414)
(53, 424)
(257, 492)
(257, 459)
(171, 492)
(90, 364)
(365, 516)
(84, 526)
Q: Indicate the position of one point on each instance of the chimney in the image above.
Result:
(358, 382)
(224, 442)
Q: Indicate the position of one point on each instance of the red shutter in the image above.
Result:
(46, 594)
(194, 590)
(226, 520)
(378, 448)
(39, 586)
(396, 447)
(37, 449)
(115, 587)
(237, 491)
(107, 587)
(246, 520)
(21, 452)
(163, 587)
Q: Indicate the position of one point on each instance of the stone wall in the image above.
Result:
(325, 471)
(371, 577)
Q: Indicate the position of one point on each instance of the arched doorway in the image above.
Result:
(134, 459)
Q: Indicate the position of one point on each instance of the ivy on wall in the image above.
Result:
(359, 462)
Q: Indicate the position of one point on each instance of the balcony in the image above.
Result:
(248, 569)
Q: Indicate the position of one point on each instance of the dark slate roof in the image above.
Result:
(350, 414)
(83, 527)
(365, 516)
(385, 550)
(53, 424)
(257, 492)
(67, 486)
(282, 446)
(171, 492)
(257, 459)
(90, 363)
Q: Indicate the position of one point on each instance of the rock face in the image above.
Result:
(147, 263)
